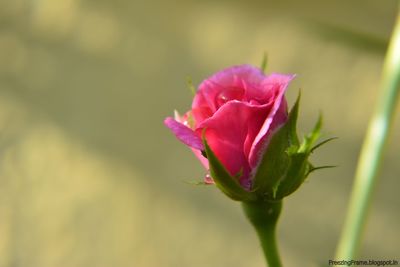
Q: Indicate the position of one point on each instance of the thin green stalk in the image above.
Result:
(372, 151)
(264, 216)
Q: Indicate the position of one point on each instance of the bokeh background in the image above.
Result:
(89, 176)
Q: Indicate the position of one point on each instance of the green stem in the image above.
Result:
(372, 151)
(264, 216)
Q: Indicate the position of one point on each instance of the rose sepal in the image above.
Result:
(299, 167)
(223, 180)
(285, 165)
(273, 166)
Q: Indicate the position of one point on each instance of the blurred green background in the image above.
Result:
(89, 176)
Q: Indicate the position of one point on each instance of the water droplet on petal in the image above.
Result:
(232, 93)
(208, 179)
(254, 102)
(221, 99)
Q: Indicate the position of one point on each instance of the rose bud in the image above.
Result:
(240, 130)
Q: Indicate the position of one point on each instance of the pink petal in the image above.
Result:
(275, 84)
(227, 131)
(222, 87)
(184, 134)
(183, 120)
(232, 76)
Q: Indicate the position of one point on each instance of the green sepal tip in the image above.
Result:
(264, 62)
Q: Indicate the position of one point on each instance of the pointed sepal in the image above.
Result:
(285, 163)
(190, 85)
(223, 180)
(264, 63)
(273, 166)
(308, 143)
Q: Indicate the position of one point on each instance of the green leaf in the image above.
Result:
(223, 180)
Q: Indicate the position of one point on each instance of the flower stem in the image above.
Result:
(372, 151)
(264, 216)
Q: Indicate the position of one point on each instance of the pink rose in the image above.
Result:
(240, 108)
